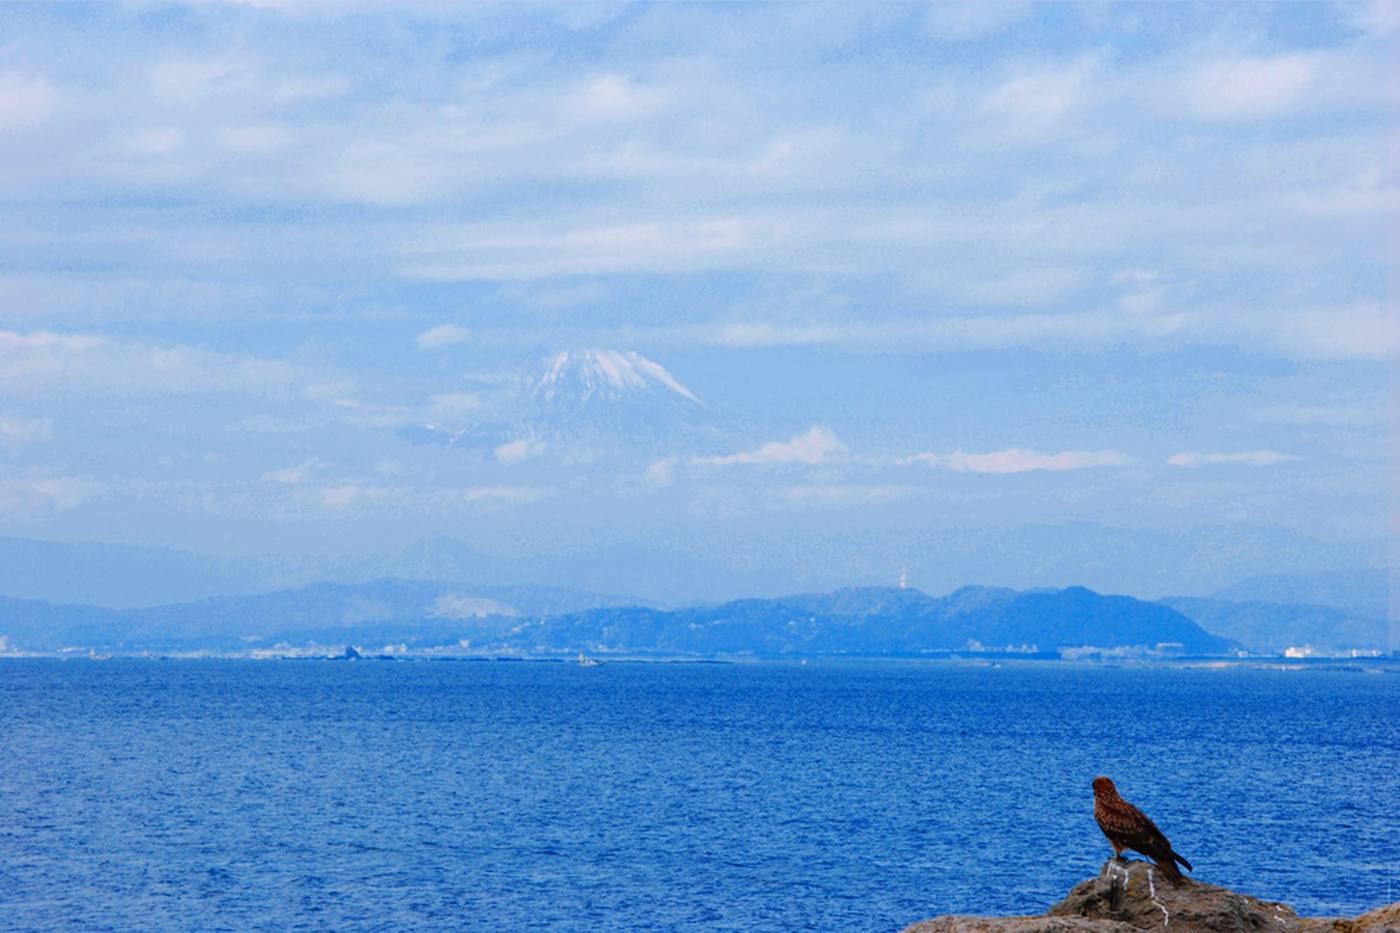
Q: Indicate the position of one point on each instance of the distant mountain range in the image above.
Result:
(126, 576)
(678, 567)
(1331, 612)
(322, 612)
(1364, 593)
(880, 622)
(1275, 627)
(122, 575)
(544, 621)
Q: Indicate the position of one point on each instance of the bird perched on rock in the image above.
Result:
(1127, 827)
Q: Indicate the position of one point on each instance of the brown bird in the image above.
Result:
(1127, 827)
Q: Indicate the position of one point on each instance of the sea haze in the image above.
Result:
(495, 795)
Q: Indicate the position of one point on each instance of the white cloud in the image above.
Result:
(946, 330)
(294, 475)
(47, 364)
(1036, 99)
(35, 492)
(1376, 17)
(342, 496)
(818, 445)
(612, 97)
(21, 432)
(956, 22)
(454, 404)
(1057, 220)
(500, 495)
(1020, 460)
(446, 409)
(26, 100)
(519, 450)
(660, 472)
(1367, 330)
(67, 492)
(360, 497)
(662, 245)
(1250, 87)
(389, 172)
(1246, 457)
(444, 335)
(552, 298)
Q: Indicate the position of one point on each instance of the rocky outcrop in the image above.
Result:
(1128, 896)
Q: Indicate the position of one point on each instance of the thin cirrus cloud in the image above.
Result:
(1059, 185)
(1362, 331)
(406, 145)
(1020, 460)
(47, 365)
(1244, 457)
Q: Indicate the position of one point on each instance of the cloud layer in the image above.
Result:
(299, 264)
(1018, 460)
(1244, 457)
(1000, 204)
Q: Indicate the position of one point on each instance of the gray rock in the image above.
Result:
(1132, 895)
(968, 924)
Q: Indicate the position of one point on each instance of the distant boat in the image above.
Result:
(585, 661)
(94, 656)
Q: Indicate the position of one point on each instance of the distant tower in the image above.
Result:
(904, 578)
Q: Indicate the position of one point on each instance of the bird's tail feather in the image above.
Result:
(1182, 861)
(1170, 870)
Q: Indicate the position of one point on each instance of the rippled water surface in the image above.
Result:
(372, 795)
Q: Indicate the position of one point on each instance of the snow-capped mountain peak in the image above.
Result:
(587, 374)
(588, 404)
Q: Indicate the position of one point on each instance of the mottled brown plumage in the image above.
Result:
(1127, 827)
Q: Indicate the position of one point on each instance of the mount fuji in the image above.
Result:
(583, 375)
(597, 400)
(602, 396)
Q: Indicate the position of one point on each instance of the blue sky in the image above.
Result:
(952, 267)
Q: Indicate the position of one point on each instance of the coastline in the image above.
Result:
(1130, 895)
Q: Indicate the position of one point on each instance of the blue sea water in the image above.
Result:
(225, 795)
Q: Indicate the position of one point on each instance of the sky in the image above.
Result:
(954, 270)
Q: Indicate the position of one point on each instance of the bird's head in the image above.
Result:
(1103, 787)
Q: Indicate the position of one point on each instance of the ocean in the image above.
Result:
(282, 795)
